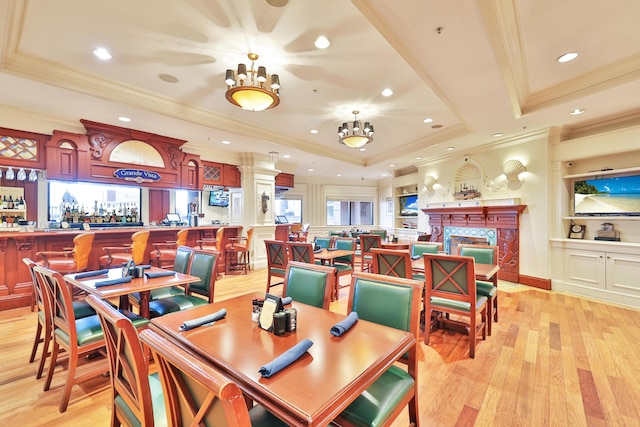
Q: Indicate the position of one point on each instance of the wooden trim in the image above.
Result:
(536, 282)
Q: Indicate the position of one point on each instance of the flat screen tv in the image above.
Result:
(409, 205)
(607, 196)
(219, 198)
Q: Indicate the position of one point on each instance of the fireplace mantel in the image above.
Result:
(504, 218)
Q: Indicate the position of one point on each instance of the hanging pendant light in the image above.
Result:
(358, 136)
(248, 89)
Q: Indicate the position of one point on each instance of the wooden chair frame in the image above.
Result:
(368, 242)
(392, 263)
(277, 260)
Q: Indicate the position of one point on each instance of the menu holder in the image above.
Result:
(272, 304)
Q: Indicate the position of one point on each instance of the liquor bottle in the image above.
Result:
(10, 202)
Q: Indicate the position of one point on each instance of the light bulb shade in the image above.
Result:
(252, 98)
(275, 82)
(242, 72)
(230, 78)
(262, 74)
(512, 169)
(355, 141)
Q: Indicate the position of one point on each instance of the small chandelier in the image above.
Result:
(358, 136)
(247, 90)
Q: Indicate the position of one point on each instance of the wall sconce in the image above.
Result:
(512, 169)
(265, 200)
(429, 182)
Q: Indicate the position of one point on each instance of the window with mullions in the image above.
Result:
(290, 208)
(341, 212)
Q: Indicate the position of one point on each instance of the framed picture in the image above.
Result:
(577, 231)
(389, 206)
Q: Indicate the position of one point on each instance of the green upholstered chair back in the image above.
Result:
(323, 242)
(300, 251)
(133, 401)
(393, 263)
(482, 254)
(381, 233)
(419, 248)
(182, 259)
(310, 284)
(197, 393)
(203, 265)
(348, 244)
(368, 242)
(333, 233)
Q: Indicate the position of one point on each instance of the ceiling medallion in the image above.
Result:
(246, 88)
(358, 136)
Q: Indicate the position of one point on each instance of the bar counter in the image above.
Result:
(15, 280)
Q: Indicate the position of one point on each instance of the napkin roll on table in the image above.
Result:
(118, 281)
(285, 359)
(210, 318)
(90, 274)
(343, 326)
(154, 274)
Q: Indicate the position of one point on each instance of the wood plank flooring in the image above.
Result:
(553, 360)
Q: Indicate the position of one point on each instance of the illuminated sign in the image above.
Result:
(137, 175)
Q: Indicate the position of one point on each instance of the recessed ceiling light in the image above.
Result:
(577, 111)
(418, 158)
(286, 156)
(497, 134)
(225, 142)
(385, 174)
(102, 53)
(392, 165)
(314, 131)
(339, 174)
(124, 119)
(450, 148)
(363, 149)
(322, 42)
(310, 170)
(570, 56)
(387, 92)
(428, 120)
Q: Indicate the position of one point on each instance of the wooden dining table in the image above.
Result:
(314, 389)
(330, 256)
(141, 285)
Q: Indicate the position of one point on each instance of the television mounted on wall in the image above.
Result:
(409, 205)
(607, 196)
(219, 198)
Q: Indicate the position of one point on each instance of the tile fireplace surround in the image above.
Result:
(504, 219)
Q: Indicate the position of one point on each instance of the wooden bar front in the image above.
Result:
(505, 219)
(15, 281)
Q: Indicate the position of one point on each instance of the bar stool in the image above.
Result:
(165, 253)
(117, 255)
(215, 245)
(238, 253)
(69, 260)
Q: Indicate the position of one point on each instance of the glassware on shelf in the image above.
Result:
(33, 175)
(10, 175)
(22, 175)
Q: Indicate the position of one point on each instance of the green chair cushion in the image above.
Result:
(82, 309)
(157, 401)
(384, 304)
(485, 288)
(160, 293)
(418, 249)
(89, 329)
(306, 286)
(480, 255)
(375, 405)
(260, 417)
(277, 271)
(418, 276)
(455, 305)
(343, 269)
(175, 303)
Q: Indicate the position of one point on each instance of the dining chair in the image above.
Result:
(238, 253)
(393, 302)
(215, 245)
(345, 265)
(180, 265)
(203, 265)
(196, 393)
(368, 242)
(277, 260)
(77, 336)
(395, 263)
(136, 395)
(310, 284)
(324, 242)
(299, 233)
(164, 253)
(70, 260)
(418, 248)
(485, 254)
(44, 329)
(300, 251)
(451, 289)
(117, 255)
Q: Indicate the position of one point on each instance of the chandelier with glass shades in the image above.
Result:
(248, 88)
(358, 136)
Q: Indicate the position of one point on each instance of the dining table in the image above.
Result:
(398, 245)
(316, 387)
(330, 255)
(143, 285)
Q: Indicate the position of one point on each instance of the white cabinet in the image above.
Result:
(607, 271)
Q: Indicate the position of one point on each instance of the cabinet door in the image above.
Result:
(623, 271)
(213, 173)
(585, 268)
(231, 176)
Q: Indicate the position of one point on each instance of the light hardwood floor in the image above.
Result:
(553, 360)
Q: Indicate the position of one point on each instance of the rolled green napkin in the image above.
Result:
(118, 281)
(154, 274)
(285, 359)
(90, 274)
(343, 326)
(204, 320)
